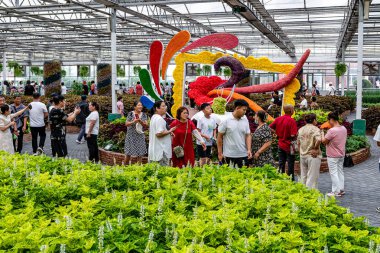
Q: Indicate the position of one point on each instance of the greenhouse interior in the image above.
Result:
(190, 126)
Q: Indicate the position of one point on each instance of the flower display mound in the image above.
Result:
(51, 205)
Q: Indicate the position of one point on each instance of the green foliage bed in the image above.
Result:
(67, 206)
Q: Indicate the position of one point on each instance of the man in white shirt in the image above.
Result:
(63, 89)
(303, 104)
(37, 116)
(234, 138)
(160, 142)
(331, 90)
(206, 125)
(377, 139)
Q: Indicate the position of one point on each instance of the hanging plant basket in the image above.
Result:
(340, 69)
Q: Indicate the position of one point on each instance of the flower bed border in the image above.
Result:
(112, 158)
(357, 157)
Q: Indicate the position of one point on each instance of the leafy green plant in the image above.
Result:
(321, 115)
(37, 71)
(206, 70)
(340, 69)
(199, 71)
(354, 143)
(227, 71)
(63, 73)
(54, 204)
(17, 69)
(84, 71)
(366, 83)
(120, 70)
(136, 70)
(76, 89)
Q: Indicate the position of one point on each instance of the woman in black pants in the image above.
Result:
(92, 131)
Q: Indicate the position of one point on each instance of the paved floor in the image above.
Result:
(362, 182)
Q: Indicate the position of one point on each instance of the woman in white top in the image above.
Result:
(92, 131)
(6, 123)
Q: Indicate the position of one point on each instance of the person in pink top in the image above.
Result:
(335, 141)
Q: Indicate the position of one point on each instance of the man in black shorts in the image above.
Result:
(207, 127)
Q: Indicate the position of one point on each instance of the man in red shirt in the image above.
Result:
(285, 128)
(139, 89)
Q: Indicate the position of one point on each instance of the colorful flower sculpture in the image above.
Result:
(205, 89)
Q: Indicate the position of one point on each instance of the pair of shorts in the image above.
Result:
(204, 153)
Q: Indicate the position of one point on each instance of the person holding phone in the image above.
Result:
(135, 144)
(6, 143)
(57, 120)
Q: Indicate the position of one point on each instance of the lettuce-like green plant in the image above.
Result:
(53, 205)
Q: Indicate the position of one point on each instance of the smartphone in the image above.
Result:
(30, 107)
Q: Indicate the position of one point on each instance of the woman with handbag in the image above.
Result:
(135, 145)
(182, 143)
(262, 141)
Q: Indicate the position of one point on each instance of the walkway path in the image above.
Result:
(362, 181)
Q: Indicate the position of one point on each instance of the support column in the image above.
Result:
(348, 77)
(359, 90)
(113, 60)
(343, 79)
(4, 66)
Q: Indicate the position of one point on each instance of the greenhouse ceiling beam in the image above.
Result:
(176, 23)
(263, 25)
(167, 2)
(349, 27)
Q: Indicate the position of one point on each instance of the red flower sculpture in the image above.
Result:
(201, 86)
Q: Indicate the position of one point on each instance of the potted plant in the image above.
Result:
(84, 71)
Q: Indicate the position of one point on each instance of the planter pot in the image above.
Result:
(114, 158)
(357, 157)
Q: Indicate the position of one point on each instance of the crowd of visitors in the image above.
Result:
(235, 140)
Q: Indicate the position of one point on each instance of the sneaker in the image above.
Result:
(331, 194)
(40, 151)
(342, 192)
(78, 142)
(35, 154)
(378, 209)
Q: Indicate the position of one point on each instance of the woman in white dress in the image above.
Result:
(6, 143)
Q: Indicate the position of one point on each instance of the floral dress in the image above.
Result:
(6, 143)
(135, 144)
(262, 135)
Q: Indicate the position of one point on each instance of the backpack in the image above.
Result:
(84, 112)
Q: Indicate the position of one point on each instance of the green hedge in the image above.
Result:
(372, 117)
(72, 100)
(64, 205)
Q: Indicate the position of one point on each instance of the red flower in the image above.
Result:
(201, 86)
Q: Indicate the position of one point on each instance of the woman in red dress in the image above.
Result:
(182, 123)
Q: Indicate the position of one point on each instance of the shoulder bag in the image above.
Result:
(179, 151)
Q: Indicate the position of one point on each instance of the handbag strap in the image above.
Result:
(187, 126)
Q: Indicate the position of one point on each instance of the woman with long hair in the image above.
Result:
(262, 141)
(135, 145)
(6, 123)
(183, 137)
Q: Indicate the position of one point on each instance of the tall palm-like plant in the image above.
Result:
(136, 70)
(120, 71)
(206, 70)
(17, 69)
(37, 71)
